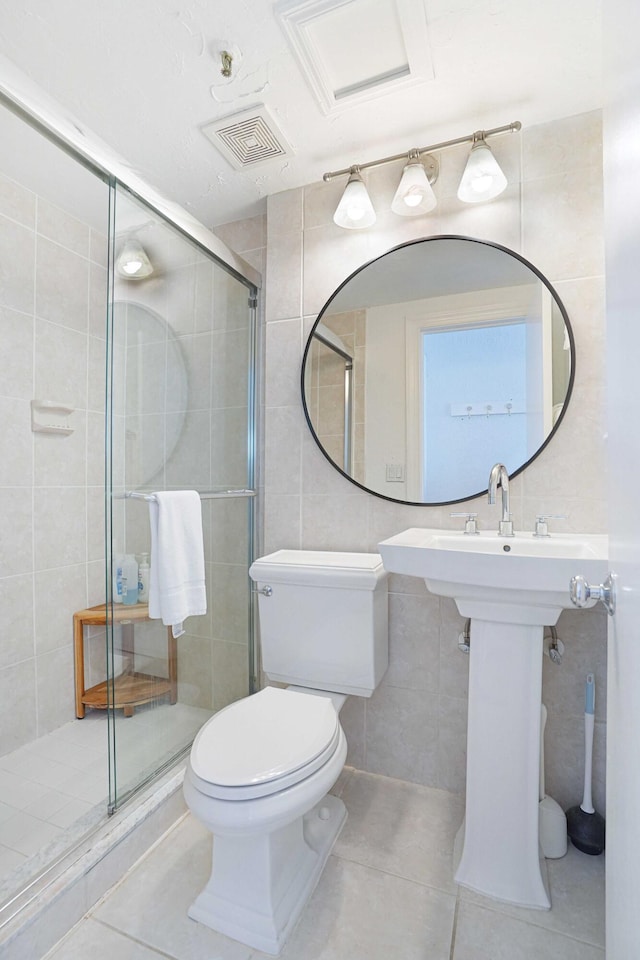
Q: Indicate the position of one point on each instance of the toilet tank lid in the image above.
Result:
(362, 571)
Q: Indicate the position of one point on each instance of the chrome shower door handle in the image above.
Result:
(582, 593)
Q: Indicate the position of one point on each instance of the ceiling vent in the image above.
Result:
(248, 138)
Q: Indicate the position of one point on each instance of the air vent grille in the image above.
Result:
(247, 138)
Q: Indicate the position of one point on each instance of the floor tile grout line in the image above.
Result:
(454, 928)
(123, 933)
(529, 923)
(396, 876)
(91, 913)
(494, 908)
(142, 943)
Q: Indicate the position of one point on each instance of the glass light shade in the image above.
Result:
(482, 178)
(133, 262)
(414, 194)
(355, 210)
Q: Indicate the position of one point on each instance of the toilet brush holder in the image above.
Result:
(552, 822)
(553, 829)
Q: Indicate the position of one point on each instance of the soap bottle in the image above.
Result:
(143, 578)
(129, 579)
(116, 591)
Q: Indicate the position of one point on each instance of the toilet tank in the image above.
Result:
(323, 619)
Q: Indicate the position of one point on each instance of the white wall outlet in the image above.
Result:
(395, 473)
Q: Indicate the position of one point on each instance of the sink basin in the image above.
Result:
(510, 588)
(484, 571)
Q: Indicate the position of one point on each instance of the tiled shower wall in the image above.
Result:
(52, 319)
(202, 313)
(414, 726)
(53, 291)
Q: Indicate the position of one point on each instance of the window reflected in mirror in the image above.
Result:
(432, 363)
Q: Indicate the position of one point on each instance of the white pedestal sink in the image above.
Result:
(511, 588)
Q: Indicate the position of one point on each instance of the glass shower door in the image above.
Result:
(181, 418)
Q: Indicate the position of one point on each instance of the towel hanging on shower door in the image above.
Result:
(176, 583)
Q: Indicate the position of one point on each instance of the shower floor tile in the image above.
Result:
(56, 788)
(70, 813)
(10, 860)
(387, 891)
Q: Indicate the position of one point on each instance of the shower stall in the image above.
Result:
(116, 382)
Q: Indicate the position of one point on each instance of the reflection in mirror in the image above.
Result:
(433, 362)
(155, 391)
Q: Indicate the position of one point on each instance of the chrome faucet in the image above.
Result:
(500, 477)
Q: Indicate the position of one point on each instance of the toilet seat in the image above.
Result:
(264, 743)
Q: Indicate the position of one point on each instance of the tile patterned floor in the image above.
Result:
(387, 892)
(56, 788)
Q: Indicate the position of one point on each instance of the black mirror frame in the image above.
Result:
(410, 243)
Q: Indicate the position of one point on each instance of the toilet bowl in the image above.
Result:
(260, 770)
(274, 827)
(251, 777)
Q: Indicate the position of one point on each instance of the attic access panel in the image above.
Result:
(352, 51)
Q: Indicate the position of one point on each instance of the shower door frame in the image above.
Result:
(38, 111)
(116, 799)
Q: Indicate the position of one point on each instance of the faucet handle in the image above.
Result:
(541, 529)
(471, 524)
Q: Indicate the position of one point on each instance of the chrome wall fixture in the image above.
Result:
(482, 180)
(132, 262)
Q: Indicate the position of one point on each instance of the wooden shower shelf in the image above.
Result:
(130, 689)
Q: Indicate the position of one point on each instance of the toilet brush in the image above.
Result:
(584, 825)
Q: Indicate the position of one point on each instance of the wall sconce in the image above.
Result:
(415, 194)
(482, 180)
(355, 209)
(132, 262)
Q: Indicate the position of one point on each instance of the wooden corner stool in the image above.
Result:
(130, 689)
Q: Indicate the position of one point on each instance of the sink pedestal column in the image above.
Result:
(509, 587)
(501, 853)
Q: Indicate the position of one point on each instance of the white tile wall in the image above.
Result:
(414, 727)
(46, 301)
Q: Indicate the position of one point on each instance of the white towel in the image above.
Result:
(176, 582)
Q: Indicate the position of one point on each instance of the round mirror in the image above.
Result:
(432, 363)
(155, 389)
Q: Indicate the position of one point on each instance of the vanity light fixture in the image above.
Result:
(355, 209)
(482, 180)
(415, 194)
(132, 261)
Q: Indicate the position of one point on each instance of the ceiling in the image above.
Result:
(145, 76)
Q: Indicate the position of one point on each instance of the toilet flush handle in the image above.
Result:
(265, 591)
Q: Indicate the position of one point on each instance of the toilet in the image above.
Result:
(260, 770)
